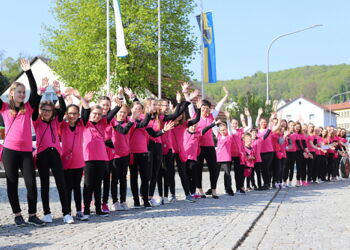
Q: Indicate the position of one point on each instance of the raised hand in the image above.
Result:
(242, 117)
(185, 87)
(227, 114)
(178, 97)
(44, 84)
(260, 111)
(199, 103)
(120, 91)
(69, 100)
(129, 92)
(246, 112)
(168, 126)
(89, 96)
(25, 65)
(225, 90)
(218, 122)
(135, 114)
(56, 86)
(76, 93)
(68, 91)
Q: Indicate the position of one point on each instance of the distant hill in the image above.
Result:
(318, 83)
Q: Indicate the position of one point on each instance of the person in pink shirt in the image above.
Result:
(248, 156)
(311, 146)
(318, 159)
(95, 154)
(256, 144)
(46, 122)
(71, 132)
(291, 148)
(17, 148)
(300, 143)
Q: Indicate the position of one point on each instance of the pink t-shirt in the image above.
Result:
(72, 146)
(266, 145)
(156, 125)
(257, 147)
(207, 139)
(237, 144)
(244, 158)
(94, 148)
(19, 136)
(47, 134)
(223, 148)
(138, 139)
(166, 142)
(178, 140)
(121, 142)
(309, 139)
(191, 144)
(292, 138)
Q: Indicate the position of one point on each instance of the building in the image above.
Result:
(40, 69)
(343, 114)
(305, 110)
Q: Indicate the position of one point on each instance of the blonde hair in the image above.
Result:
(156, 114)
(12, 105)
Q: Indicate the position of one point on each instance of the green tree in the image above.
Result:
(10, 68)
(77, 46)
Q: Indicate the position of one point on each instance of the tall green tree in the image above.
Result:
(77, 46)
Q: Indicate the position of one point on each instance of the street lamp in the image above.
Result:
(330, 104)
(268, 55)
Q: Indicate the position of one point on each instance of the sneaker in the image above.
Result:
(137, 204)
(166, 200)
(172, 199)
(189, 199)
(147, 205)
(105, 208)
(19, 221)
(114, 206)
(298, 184)
(68, 219)
(82, 217)
(195, 196)
(47, 218)
(161, 201)
(102, 214)
(241, 191)
(34, 220)
(154, 202)
(230, 192)
(124, 206)
(208, 192)
(215, 196)
(274, 186)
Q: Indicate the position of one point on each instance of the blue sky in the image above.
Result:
(243, 30)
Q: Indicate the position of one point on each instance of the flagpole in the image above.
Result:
(159, 56)
(202, 46)
(108, 48)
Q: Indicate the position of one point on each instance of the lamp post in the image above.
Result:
(268, 55)
(159, 56)
(330, 104)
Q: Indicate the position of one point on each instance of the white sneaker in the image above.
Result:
(81, 216)
(68, 219)
(154, 202)
(124, 206)
(47, 218)
(166, 200)
(171, 199)
(114, 206)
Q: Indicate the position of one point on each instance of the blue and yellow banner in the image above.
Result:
(209, 57)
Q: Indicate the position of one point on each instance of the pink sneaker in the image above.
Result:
(105, 208)
(196, 196)
(305, 183)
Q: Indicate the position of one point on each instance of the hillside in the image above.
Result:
(318, 83)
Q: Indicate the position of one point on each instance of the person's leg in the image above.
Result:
(68, 179)
(157, 160)
(77, 175)
(114, 182)
(89, 178)
(299, 162)
(190, 167)
(44, 174)
(107, 181)
(134, 175)
(100, 168)
(170, 165)
(257, 169)
(181, 167)
(145, 175)
(226, 166)
(213, 167)
(123, 177)
(236, 168)
(199, 173)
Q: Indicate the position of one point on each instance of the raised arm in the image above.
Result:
(123, 130)
(85, 113)
(218, 106)
(168, 126)
(249, 118)
(196, 119)
(84, 102)
(33, 98)
(260, 112)
(62, 109)
(112, 113)
(144, 122)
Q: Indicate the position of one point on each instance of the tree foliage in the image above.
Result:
(318, 83)
(77, 46)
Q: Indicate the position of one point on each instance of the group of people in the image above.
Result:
(103, 142)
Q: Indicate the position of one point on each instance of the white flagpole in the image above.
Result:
(202, 46)
(159, 56)
(108, 48)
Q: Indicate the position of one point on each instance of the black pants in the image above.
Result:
(94, 172)
(107, 181)
(277, 170)
(330, 166)
(239, 173)
(226, 166)
(266, 167)
(140, 164)
(192, 169)
(283, 168)
(73, 178)
(154, 162)
(289, 167)
(181, 168)
(299, 158)
(167, 173)
(257, 170)
(209, 154)
(310, 165)
(46, 160)
(322, 165)
(119, 173)
(13, 161)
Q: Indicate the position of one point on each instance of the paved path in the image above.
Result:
(314, 217)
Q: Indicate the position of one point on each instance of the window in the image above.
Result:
(311, 117)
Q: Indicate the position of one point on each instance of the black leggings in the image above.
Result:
(73, 179)
(208, 153)
(93, 174)
(139, 165)
(226, 166)
(181, 168)
(167, 173)
(13, 161)
(191, 168)
(322, 164)
(107, 181)
(257, 170)
(289, 167)
(266, 167)
(310, 165)
(277, 170)
(154, 163)
(330, 166)
(299, 158)
(119, 173)
(46, 160)
(239, 173)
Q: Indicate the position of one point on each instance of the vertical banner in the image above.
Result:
(121, 48)
(209, 47)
